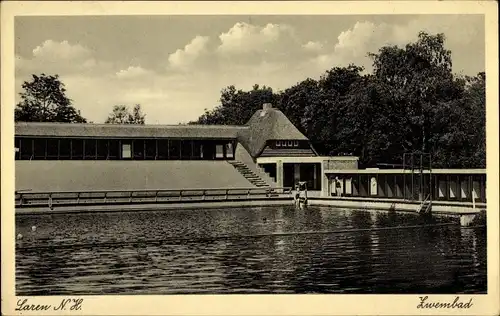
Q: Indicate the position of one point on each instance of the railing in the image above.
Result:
(423, 204)
(70, 198)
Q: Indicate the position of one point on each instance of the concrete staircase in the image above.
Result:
(251, 176)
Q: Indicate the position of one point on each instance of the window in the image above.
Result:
(290, 143)
(174, 149)
(40, 148)
(65, 148)
(126, 151)
(90, 149)
(162, 149)
(295, 143)
(278, 143)
(186, 149)
(138, 148)
(150, 149)
(17, 145)
(26, 148)
(197, 150)
(114, 149)
(77, 149)
(219, 151)
(52, 149)
(229, 150)
(102, 149)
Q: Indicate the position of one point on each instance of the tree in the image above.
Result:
(122, 115)
(412, 102)
(419, 77)
(44, 100)
(237, 106)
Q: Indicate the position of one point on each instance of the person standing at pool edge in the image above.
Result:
(338, 187)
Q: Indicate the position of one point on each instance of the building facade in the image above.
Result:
(268, 147)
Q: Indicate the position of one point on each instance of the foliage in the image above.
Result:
(411, 102)
(44, 100)
(237, 106)
(122, 115)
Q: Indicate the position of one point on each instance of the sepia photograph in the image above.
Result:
(194, 154)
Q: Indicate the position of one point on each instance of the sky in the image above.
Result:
(176, 66)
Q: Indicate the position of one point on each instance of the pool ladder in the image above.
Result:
(426, 205)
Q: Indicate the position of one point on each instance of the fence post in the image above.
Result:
(248, 194)
(21, 199)
(227, 192)
(78, 198)
(50, 200)
(203, 195)
(180, 195)
(105, 194)
(130, 196)
(156, 196)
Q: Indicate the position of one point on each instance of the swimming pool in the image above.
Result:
(247, 250)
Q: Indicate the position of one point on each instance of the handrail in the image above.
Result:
(28, 191)
(132, 196)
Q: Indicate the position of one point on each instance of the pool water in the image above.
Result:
(246, 250)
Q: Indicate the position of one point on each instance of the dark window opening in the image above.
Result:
(138, 148)
(64, 148)
(102, 149)
(40, 147)
(26, 148)
(77, 149)
(208, 150)
(174, 149)
(186, 149)
(288, 175)
(162, 149)
(150, 149)
(90, 149)
(197, 150)
(114, 149)
(52, 149)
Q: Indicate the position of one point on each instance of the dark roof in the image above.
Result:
(268, 124)
(126, 130)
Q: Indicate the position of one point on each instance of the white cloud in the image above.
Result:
(313, 46)
(245, 55)
(60, 58)
(354, 44)
(186, 56)
(132, 72)
(52, 50)
(245, 38)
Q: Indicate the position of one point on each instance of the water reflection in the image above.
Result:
(179, 252)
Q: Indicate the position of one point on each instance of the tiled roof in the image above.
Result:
(268, 124)
(127, 130)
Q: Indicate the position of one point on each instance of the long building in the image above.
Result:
(269, 151)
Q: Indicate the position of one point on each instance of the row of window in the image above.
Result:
(287, 143)
(112, 149)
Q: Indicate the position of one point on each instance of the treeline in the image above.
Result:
(411, 102)
(44, 100)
